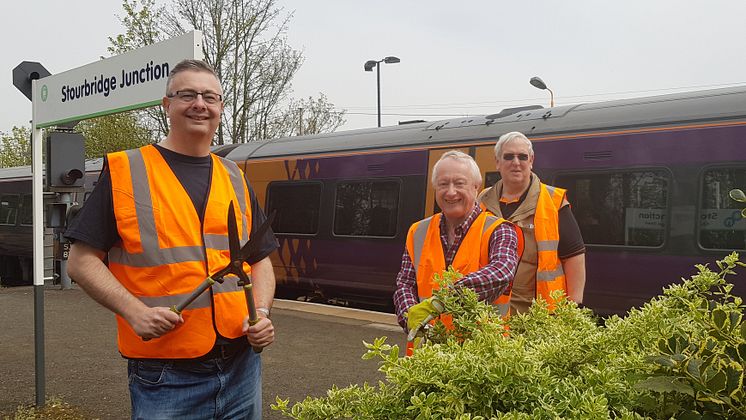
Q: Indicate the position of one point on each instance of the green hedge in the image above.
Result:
(679, 356)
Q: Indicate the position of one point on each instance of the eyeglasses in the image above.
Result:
(510, 156)
(189, 96)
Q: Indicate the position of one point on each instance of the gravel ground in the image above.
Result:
(315, 348)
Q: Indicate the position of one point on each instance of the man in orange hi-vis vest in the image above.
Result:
(554, 253)
(482, 247)
(152, 230)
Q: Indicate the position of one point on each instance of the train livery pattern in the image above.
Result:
(648, 180)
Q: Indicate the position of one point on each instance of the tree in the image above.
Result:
(112, 133)
(306, 116)
(244, 40)
(15, 147)
(141, 18)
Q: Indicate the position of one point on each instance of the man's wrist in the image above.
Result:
(264, 311)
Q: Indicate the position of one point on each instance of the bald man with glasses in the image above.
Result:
(554, 252)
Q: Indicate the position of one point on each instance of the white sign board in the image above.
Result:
(133, 80)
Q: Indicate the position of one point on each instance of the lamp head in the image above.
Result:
(538, 83)
(370, 64)
(391, 60)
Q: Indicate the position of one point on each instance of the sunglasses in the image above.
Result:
(510, 156)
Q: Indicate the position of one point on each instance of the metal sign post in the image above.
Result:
(133, 80)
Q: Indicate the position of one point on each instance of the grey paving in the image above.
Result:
(315, 348)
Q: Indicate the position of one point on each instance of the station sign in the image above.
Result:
(133, 80)
(644, 218)
(721, 219)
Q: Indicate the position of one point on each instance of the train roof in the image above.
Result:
(535, 121)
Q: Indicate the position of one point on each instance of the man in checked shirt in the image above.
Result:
(482, 247)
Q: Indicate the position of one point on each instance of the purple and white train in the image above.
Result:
(648, 180)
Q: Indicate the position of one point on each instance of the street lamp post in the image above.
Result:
(538, 83)
(377, 64)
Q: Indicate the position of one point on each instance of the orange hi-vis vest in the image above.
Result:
(425, 248)
(549, 274)
(166, 252)
(540, 247)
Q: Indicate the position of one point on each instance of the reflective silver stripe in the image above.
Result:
(157, 257)
(419, 240)
(547, 245)
(550, 189)
(238, 186)
(502, 308)
(230, 284)
(143, 201)
(215, 241)
(203, 301)
(490, 220)
(550, 275)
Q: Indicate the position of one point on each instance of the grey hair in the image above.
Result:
(461, 157)
(513, 135)
(189, 65)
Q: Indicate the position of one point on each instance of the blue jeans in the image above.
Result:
(229, 388)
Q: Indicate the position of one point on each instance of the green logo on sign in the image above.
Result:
(44, 93)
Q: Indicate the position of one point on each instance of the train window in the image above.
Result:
(720, 222)
(491, 178)
(8, 209)
(27, 207)
(620, 208)
(297, 205)
(366, 208)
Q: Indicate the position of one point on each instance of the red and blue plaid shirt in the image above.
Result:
(489, 281)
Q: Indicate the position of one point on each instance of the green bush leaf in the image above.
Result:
(719, 317)
(690, 415)
(663, 384)
(734, 379)
(663, 361)
(693, 367)
(717, 383)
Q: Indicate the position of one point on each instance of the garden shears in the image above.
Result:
(238, 256)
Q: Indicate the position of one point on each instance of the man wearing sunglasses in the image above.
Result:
(152, 230)
(554, 252)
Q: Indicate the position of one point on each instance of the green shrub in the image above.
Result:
(679, 356)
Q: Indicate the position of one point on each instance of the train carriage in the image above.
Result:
(648, 180)
(16, 244)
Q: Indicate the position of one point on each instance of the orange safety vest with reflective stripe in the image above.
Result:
(549, 274)
(425, 248)
(165, 251)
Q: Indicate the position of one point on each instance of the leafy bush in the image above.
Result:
(679, 356)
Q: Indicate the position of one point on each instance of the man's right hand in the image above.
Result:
(155, 322)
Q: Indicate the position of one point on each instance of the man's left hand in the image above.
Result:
(261, 334)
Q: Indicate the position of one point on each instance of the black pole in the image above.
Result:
(378, 84)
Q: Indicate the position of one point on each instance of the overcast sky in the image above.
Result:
(457, 58)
